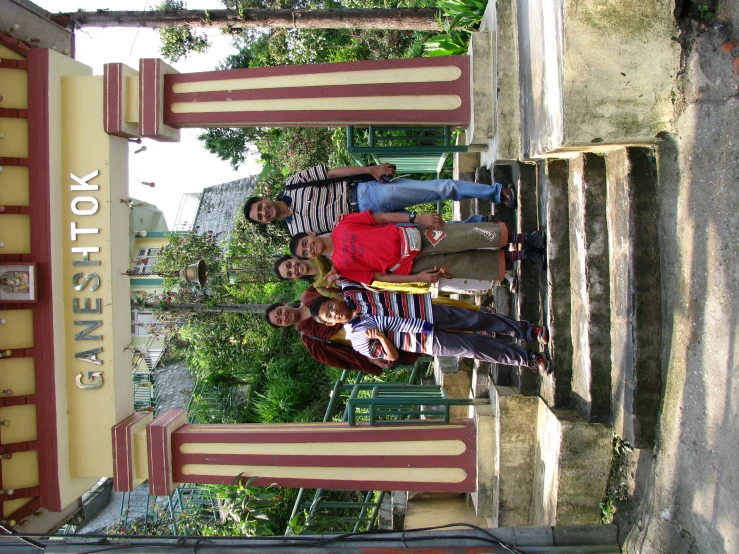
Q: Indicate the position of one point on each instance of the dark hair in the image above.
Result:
(270, 309)
(316, 307)
(276, 267)
(247, 208)
(295, 242)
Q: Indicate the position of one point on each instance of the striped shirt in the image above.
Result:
(315, 208)
(411, 335)
(396, 305)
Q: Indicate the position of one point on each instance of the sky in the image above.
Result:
(175, 168)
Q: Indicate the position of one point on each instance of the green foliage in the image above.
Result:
(179, 42)
(616, 490)
(458, 19)
(187, 248)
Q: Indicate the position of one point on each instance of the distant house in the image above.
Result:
(220, 203)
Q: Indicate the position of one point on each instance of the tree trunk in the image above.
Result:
(414, 19)
(176, 307)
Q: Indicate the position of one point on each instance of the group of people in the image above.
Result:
(370, 263)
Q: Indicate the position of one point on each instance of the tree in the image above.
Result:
(415, 19)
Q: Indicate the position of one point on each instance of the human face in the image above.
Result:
(264, 211)
(294, 268)
(335, 312)
(284, 316)
(310, 246)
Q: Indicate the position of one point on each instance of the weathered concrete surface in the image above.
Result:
(441, 511)
(556, 388)
(687, 494)
(572, 462)
(517, 418)
(571, 95)
(589, 288)
(500, 17)
(486, 499)
(482, 87)
(636, 323)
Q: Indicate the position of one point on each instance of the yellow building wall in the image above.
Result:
(15, 233)
(8, 54)
(18, 375)
(15, 143)
(19, 423)
(18, 329)
(15, 89)
(21, 471)
(14, 189)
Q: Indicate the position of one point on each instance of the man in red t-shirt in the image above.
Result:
(321, 340)
(366, 247)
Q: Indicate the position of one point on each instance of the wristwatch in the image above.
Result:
(412, 217)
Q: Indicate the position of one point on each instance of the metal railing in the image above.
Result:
(369, 509)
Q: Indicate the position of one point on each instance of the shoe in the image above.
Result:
(541, 333)
(508, 197)
(539, 364)
(536, 257)
(535, 239)
(513, 285)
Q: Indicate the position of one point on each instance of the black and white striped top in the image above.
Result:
(317, 208)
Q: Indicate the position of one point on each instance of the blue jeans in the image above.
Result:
(401, 193)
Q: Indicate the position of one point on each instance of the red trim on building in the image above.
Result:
(462, 62)
(43, 330)
(13, 112)
(20, 493)
(113, 108)
(151, 102)
(24, 511)
(13, 64)
(123, 464)
(159, 440)
(457, 117)
(17, 46)
(16, 161)
(325, 433)
(17, 400)
(12, 447)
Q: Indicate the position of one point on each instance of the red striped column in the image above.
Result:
(430, 458)
(412, 91)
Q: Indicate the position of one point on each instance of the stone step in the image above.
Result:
(516, 420)
(590, 288)
(635, 294)
(556, 388)
(571, 467)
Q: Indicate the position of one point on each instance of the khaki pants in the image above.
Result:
(461, 252)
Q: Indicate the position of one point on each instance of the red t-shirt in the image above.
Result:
(362, 247)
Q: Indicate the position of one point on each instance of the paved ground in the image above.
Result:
(688, 489)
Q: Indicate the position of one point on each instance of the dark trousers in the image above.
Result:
(482, 347)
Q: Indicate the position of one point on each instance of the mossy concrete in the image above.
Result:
(572, 463)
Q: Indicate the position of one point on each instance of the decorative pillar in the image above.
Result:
(159, 100)
(429, 458)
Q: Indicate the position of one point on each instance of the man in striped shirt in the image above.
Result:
(379, 324)
(315, 198)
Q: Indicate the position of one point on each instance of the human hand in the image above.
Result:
(384, 364)
(429, 275)
(374, 333)
(332, 276)
(430, 220)
(380, 171)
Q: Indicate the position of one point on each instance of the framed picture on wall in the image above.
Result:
(17, 282)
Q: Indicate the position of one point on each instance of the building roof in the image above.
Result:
(220, 204)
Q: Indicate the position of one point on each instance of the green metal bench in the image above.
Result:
(426, 152)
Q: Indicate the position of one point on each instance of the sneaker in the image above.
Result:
(537, 239)
(541, 333)
(539, 364)
(508, 197)
(536, 257)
